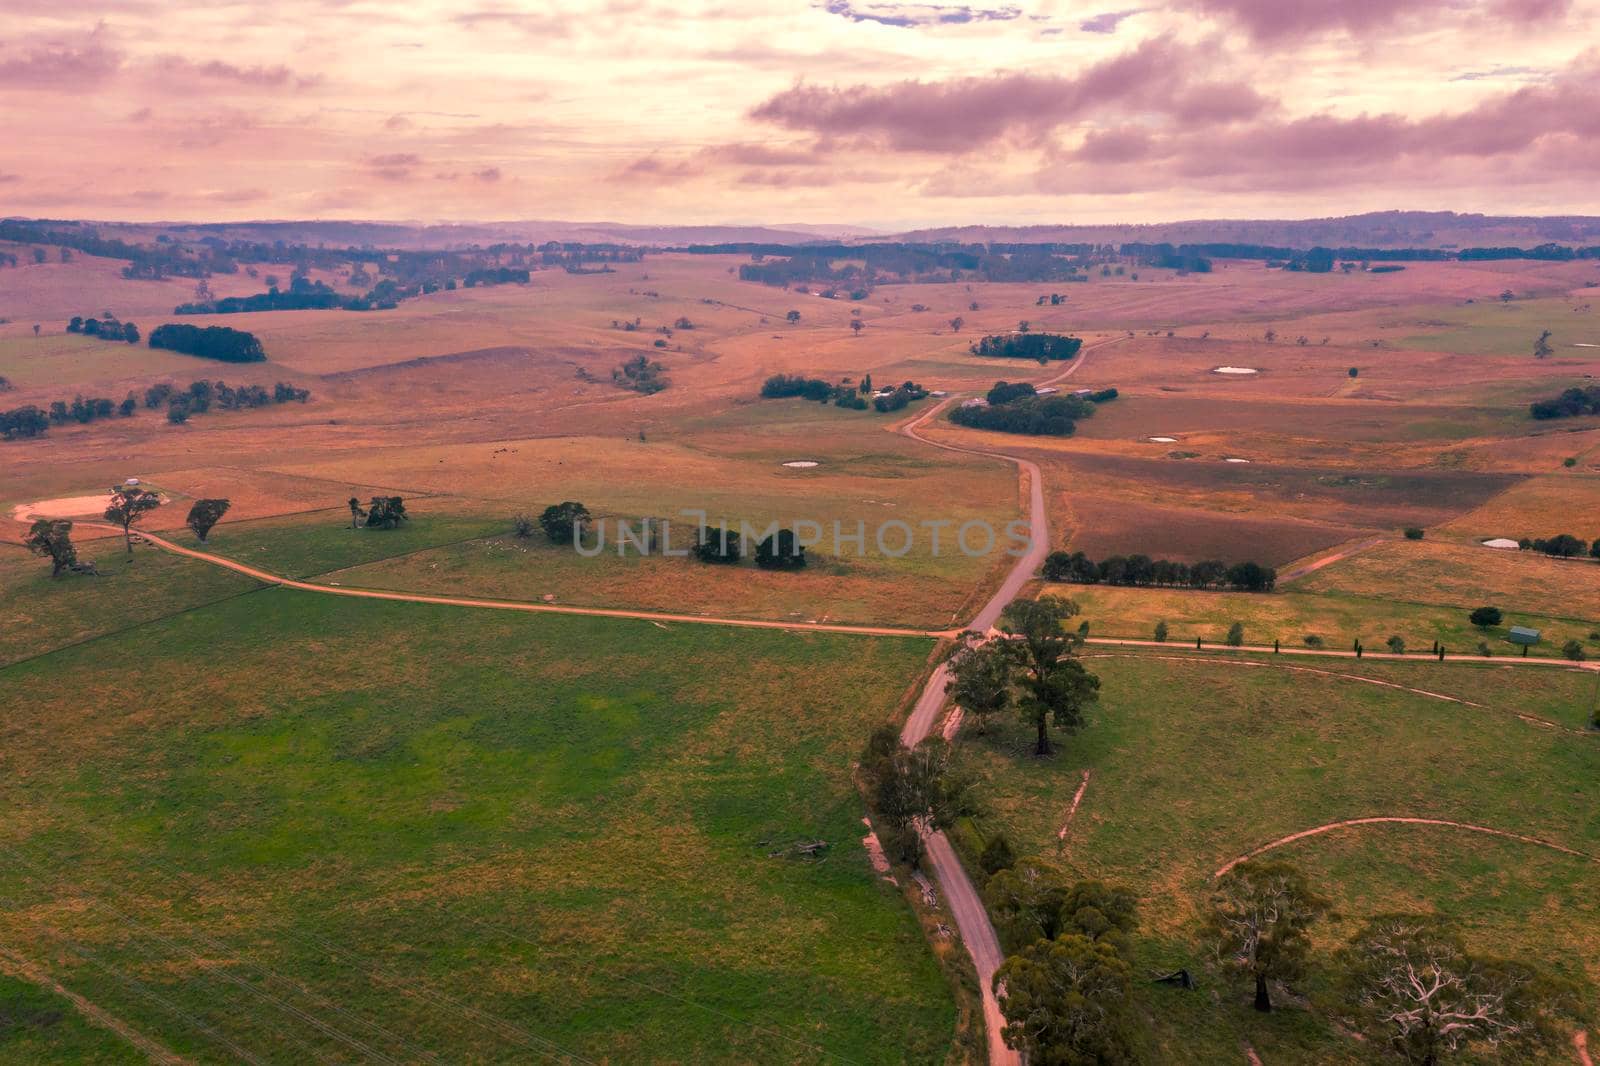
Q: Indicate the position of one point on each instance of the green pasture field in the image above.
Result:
(1193, 764)
(313, 827)
(1490, 327)
(37, 1025)
(1465, 575)
(1289, 616)
(39, 614)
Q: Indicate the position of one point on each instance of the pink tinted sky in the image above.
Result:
(882, 113)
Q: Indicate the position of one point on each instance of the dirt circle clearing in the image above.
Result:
(63, 507)
(1234, 370)
(801, 464)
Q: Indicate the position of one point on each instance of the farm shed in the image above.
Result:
(1523, 635)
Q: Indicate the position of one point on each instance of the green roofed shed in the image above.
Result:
(1523, 635)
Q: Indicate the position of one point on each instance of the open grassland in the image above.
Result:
(1538, 507)
(57, 365)
(39, 614)
(1193, 764)
(308, 827)
(1339, 619)
(38, 1025)
(1491, 327)
(1465, 576)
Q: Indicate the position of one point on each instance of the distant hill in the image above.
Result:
(413, 236)
(1381, 229)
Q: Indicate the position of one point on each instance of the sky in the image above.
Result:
(884, 114)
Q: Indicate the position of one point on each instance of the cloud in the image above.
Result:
(1501, 71)
(180, 68)
(236, 196)
(1107, 22)
(1275, 20)
(53, 63)
(489, 174)
(7, 179)
(394, 166)
(1534, 133)
(965, 113)
(653, 168)
(531, 24)
(911, 15)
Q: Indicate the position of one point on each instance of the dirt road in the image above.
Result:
(966, 906)
(1314, 565)
(267, 577)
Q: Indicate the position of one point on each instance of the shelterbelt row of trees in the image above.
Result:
(304, 294)
(1142, 570)
(26, 422)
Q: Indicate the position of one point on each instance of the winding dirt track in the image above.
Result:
(270, 578)
(1353, 822)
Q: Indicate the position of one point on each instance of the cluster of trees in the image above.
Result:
(85, 411)
(128, 505)
(202, 395)
(817, 390)
(381, 512)
(1145, 571)
(913, 791)
(844, 394)
(494, 276)
(898, 397)
(779, 550)
(1042, 347)
(107, 328)
(1021, 410)
(145, 261)
(29, 421)
(563, 523)
(1182, 259)
(1066, 986)
(1030, 667)
(1403, 982)
(855, 265)
(1562, 546)
(303, 295)
(211, 342)
(23, 422)
(1570, 404)
(641, 374)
